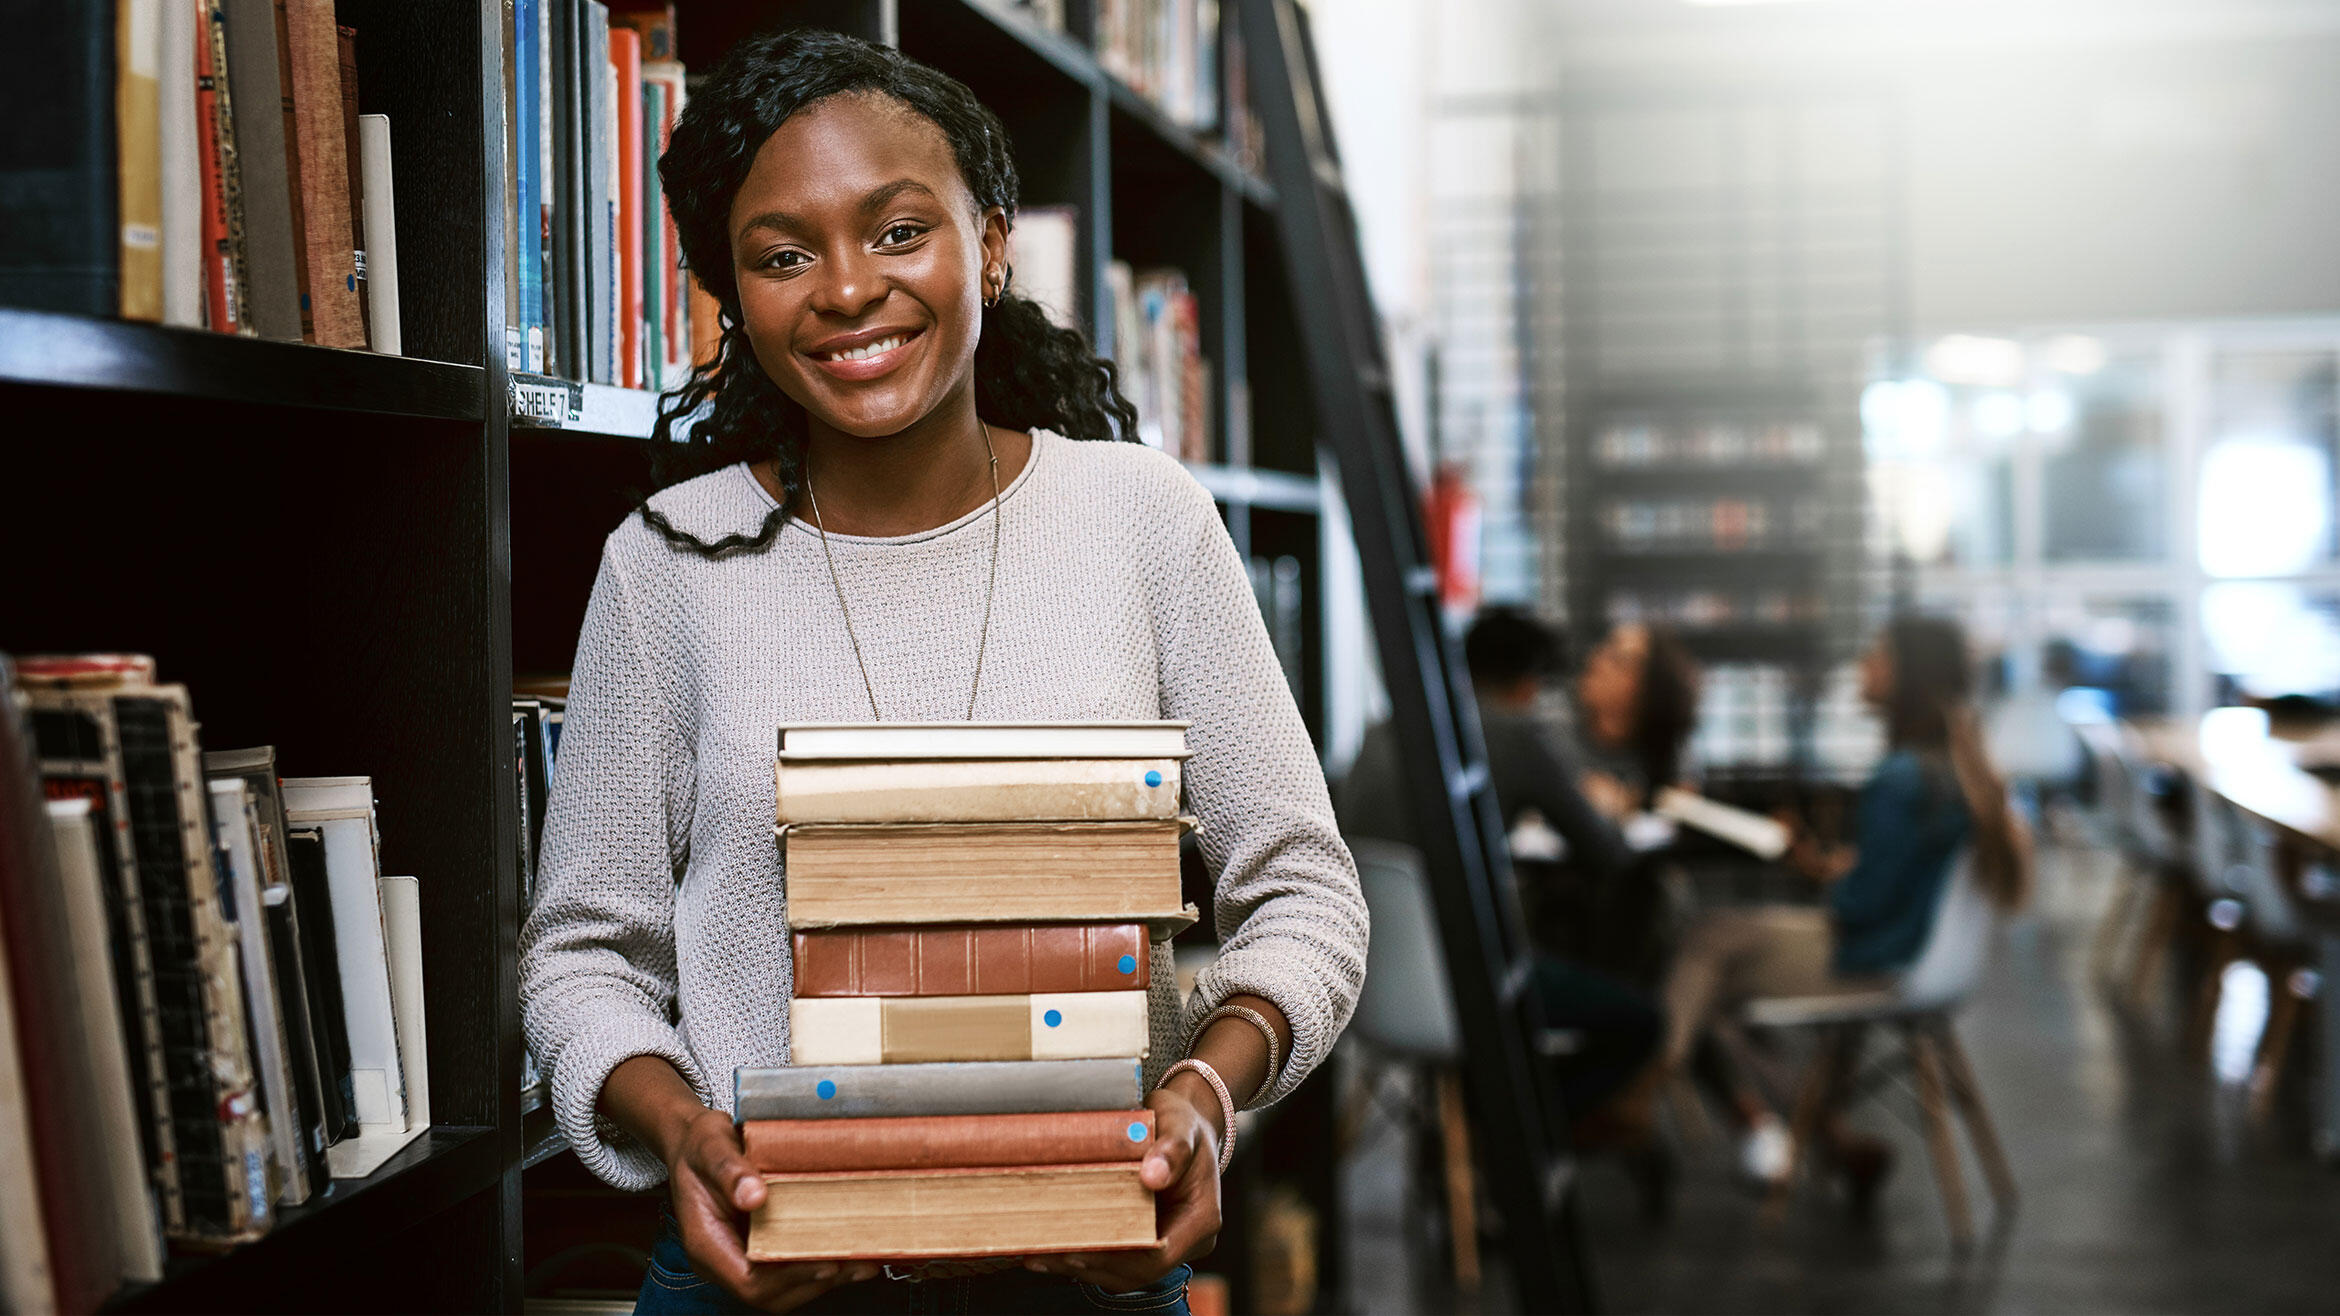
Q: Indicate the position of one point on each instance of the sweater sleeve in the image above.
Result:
(1888, 841)
(597, 960)
(1290, 917)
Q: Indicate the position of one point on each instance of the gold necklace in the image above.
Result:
(983, 639)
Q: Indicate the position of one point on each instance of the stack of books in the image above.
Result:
(213, 996)
(972, 907)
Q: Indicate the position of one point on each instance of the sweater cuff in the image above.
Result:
(585, 1064)
(1258, 971)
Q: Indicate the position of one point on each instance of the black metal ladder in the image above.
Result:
(1460, 830)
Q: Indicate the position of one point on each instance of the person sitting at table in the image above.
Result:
(1511, 656)
(1934, 794)
(1638, 696)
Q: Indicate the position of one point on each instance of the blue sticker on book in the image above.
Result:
(825, 1089)
(1153, 778)
(1137, 1131)
(1052, 1018)
(1128, 964)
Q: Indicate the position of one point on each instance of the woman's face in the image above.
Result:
(1877, 675)
(861, 258)
(1610, 687)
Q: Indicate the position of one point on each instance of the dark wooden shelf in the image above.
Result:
(50, 349)
(443, 1166)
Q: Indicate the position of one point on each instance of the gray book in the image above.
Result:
(991, 1087)
(567, 194)
(593, 80)
(271, 237)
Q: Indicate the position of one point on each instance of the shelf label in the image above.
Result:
(547, 403)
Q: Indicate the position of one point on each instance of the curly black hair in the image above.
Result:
(1029, 372)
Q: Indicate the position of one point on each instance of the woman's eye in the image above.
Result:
(784, 260)
(901, 233)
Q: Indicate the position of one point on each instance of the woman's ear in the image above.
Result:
(995, 253)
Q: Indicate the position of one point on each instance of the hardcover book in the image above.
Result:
(908, 1214)
(343, 809)
(975, 790)
(857, 874)
(808, 1091)
(983, 740)
(893, 1030)
(972, 960)
(928, 1142)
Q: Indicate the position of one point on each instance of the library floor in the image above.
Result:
(2145, 1188)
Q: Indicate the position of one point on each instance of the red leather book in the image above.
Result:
(941, 1142)
(625, 52)
(972, 960)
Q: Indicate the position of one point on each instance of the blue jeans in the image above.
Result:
(672, 1288)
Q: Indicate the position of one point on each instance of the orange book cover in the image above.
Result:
(940, 1142)
(625, 53)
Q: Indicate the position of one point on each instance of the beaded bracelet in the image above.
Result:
(1275, 1049)
(1226, 1103)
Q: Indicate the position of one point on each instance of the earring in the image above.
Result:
(998, 284)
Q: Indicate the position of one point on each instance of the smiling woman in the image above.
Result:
(891, 493)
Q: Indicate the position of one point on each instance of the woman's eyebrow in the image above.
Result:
(781, 221)
(880, 197)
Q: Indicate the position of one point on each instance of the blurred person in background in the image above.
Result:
(1638, 695)
(1934, 794)
(1533, 769)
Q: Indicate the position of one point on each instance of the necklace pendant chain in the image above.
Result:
(990, 587)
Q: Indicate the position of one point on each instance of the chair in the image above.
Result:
(2253, 916)
(1406, 1011)
(2130, 819)
(1920, 1007)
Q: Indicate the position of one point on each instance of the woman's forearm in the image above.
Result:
(647, 1098)
(1234, 1048)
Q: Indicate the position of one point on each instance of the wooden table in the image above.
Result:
(2262, 769)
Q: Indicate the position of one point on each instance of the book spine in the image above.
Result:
(954, 791)
(382, 229)
(972, 960)
(345, 49)
(625, 58)
(138, 125)
(220, 1132)
(324, 174)
(527, 192)
(871, 1030)
(181, 170)
(571, 110)
(226, 285)
(809, 1091)
(946, 1142)
(271, 220)
(80, 758)
(543, 117)
(515, 330)
(289, 123)
(647, 238)
(678, 284)
(321, 966)
(988, 1211)
(233, 811)
(60, 229)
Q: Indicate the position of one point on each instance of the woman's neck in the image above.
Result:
(927, 475)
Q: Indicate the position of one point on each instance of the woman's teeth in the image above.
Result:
(868, 350)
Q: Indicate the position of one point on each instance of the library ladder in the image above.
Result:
(1521, 1147)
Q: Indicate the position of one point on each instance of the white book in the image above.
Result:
(1043, 257)
(1765, 838)
(886, 1030)
(343, 807)
(984, 740)
(381, 228)
(355, 1158)
(137, 1225)
(182, 175)
(239, 825)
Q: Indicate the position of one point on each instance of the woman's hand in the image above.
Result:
(1613, 798)
(713, 1184)
(1181, 1166)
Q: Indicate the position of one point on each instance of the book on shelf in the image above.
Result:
(1044, 261)
(381, 223)
(895, 1030)
(138, 58)
(975, 1212)
(321, 958)
(1157, 350)
(60, 237)
(1168, 52)
(992, 1087)
(341, 809)
(969, 1008)
(328, 228)
(259, 61)
(235, 817)
(971, 960)
(947, 1142)
(179, 177)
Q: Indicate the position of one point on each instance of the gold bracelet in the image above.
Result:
(1226, 1103)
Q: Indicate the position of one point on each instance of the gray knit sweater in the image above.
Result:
(660, 926)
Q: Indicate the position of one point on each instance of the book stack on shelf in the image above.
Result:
(972, 907)
(216, 997)
(1168, 52)
(220, 176)
(1157, 350)
(595, 287)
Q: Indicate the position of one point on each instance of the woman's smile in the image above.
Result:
(865, 354)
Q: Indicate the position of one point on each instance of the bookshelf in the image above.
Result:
(351, 555)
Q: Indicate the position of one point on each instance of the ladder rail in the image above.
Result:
(1459, 831)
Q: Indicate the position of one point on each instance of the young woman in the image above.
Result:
(1934, 794)
(900, 523)
(1639, 697)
